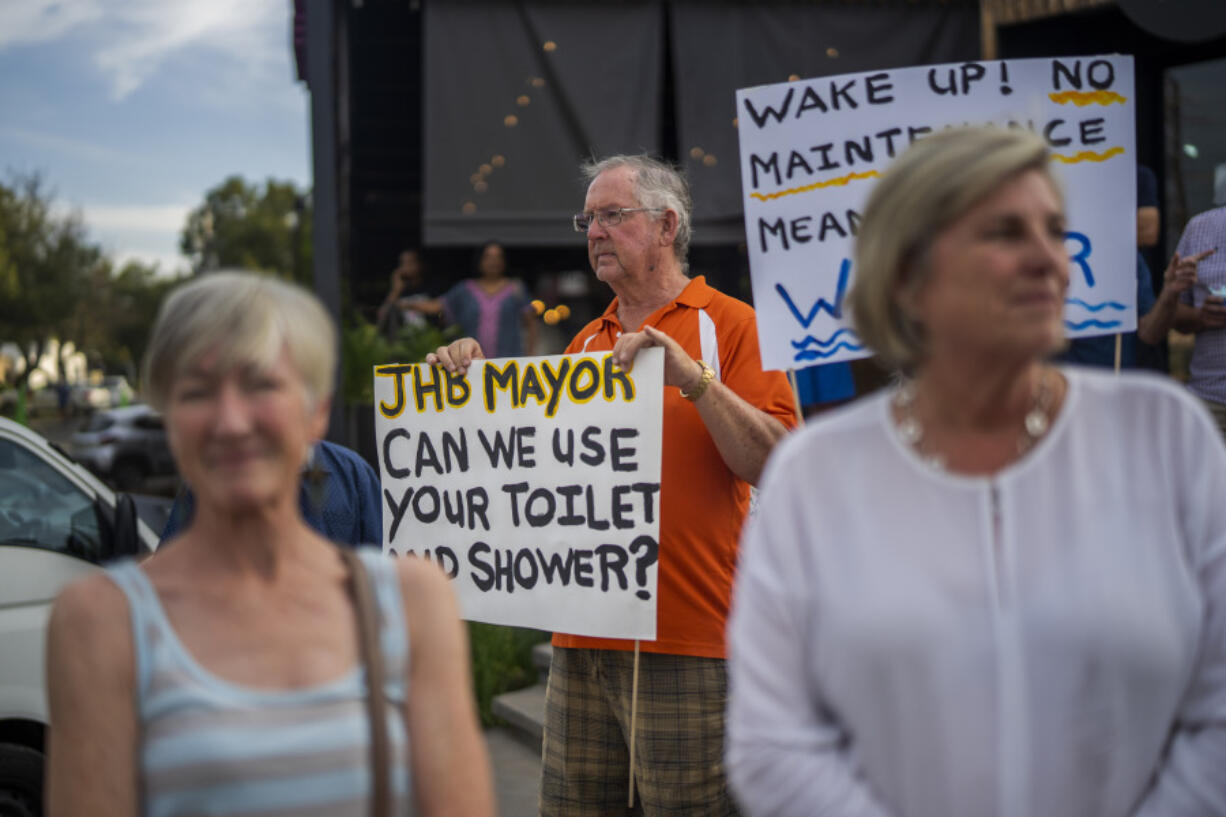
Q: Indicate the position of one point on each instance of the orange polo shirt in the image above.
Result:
(702, 504)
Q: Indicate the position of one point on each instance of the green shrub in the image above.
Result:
(363, 348)
(502, 661)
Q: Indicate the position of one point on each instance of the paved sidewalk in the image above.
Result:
(517, 772)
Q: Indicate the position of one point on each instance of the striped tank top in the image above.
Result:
(213, 747)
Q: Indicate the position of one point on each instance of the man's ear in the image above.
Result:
(668, 228)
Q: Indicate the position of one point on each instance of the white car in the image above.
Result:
(57, 522)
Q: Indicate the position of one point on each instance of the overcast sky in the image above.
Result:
(132, 109)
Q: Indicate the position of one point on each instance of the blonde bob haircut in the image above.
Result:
(246, 319)
(931, 185)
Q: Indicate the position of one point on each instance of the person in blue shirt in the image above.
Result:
(339, 497)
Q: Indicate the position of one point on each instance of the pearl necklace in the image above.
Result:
(1034, 425)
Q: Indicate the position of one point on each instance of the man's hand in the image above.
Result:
(1180, 275)
(456, 356)
(1213, 313)
(397, 285)
(680, 369)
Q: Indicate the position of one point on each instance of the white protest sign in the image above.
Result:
(533, 482)
(812, 149)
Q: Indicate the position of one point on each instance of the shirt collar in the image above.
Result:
(696, 295)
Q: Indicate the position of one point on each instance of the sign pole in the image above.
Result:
(634, 712)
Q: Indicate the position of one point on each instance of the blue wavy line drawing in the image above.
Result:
(1096, 307)
(822, 305)
(822, 344)
(1092, 322)
(813, 354)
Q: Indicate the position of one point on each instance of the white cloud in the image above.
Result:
(135, 218)
(130, 41)
(148, 32)
(37, 21)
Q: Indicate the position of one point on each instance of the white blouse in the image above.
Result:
(893, 652)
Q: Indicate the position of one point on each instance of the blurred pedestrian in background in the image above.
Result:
(1202, 310)
(407, 287)
(492, 307)
(222, 675)
(956, 597)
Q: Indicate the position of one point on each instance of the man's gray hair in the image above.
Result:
(657, 185)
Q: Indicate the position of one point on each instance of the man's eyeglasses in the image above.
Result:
(608, 218)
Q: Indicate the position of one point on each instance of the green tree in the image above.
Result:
(113, 324)
(46, 268)
(241, 225)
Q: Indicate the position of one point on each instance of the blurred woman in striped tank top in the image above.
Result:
(223, 675)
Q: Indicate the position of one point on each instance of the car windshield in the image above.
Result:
(39, 507)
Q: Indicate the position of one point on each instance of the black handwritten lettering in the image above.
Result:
(810, 100)
(397, 508)
(1049, 133)
(568, 493)
(613, 561)
(1100, 74)
(555, 565)
(525, 576)
(612, 376)
(829, 222)
(771, 165)
(649, 491)
(1091, 130)
(504, 379)
(554, 380)
(588, 438)
(427, 457)
(619, 452)
(540, 508)
(592, 522)
(500, 449)
(864, 150)
(878, 86)
(567, 456)
(513, 490)
(582, 393)
(531, 387)
(484, 582)
(427, 388)
(824, 150)
(397, 372)
(455, 451)
(388, 467)
(777, 228)
(888, 135)
(760, 119)
(796, 162)
(524, 449)
(426, 505)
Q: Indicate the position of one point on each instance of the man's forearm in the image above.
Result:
(1154, 324)
(1187, 319)
(743, 434)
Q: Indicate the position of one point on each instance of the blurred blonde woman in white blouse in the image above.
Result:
(1000, 587)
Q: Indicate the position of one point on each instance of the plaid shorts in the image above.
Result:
(679, 739)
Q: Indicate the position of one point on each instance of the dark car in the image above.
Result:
(124, 445)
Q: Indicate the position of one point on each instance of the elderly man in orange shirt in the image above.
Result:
(722, 417)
